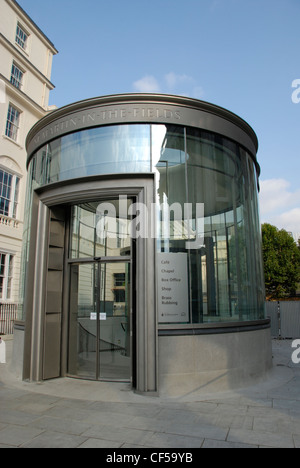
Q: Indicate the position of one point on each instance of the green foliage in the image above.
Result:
(281, 262)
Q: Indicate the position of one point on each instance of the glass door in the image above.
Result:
(83, 321)
(100, 321)
(115, 321)
(100, 302)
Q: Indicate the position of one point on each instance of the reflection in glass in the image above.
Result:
(114, 361)
(82, 323)
(191, 166)
(225, 274)
(99, 323)
(103, 150)
(169, 165)
(101, 229)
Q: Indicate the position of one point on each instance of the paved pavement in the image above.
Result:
(67, 413)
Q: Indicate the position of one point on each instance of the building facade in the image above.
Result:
(25, 73)
(142, 251)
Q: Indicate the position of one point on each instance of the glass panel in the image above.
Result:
(10, 277)
(16, 76)
(115, 362)
(169, 163)
(21, 37)
(5, 191)
(101, 229)
(213, 174)
(99, 343)
(227, 280)
(224, 276)
(2, 275)
(100, 321)
(12, 123)
(16, 198)
(83, 321)
(223, 272)
(103, 150)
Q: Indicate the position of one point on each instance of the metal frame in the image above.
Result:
(213, 328)
(76, 261)
(99, 261)
(95, 188)
(141, 108)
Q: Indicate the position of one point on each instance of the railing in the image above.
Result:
(8, 315)
(10, 222)
(285, 319)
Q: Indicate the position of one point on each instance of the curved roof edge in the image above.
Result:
(140, 108)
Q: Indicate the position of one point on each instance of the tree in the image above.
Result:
(281, 262)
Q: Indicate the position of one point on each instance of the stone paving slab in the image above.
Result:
(51, 415)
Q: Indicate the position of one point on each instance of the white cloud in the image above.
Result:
(279, 205)
(275, 194)
(198, 92)
(289, 220)
(147, 84)
(184, 85)
(171, 83)
(173, 80)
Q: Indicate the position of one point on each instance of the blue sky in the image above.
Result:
(239, 54)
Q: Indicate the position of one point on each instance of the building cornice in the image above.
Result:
(142, 108)
(25, 62)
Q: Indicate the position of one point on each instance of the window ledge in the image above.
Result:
(12, 141)
(22, 49)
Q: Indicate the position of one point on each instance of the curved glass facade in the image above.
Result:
(198, 174)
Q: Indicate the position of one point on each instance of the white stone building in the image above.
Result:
(25, 73)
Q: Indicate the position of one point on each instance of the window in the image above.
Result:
(16, 77)
(6, 272)
(119, 279)
(12, 123)
(119, 295)
(119, 290)
(9, 194)
(21, 36)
